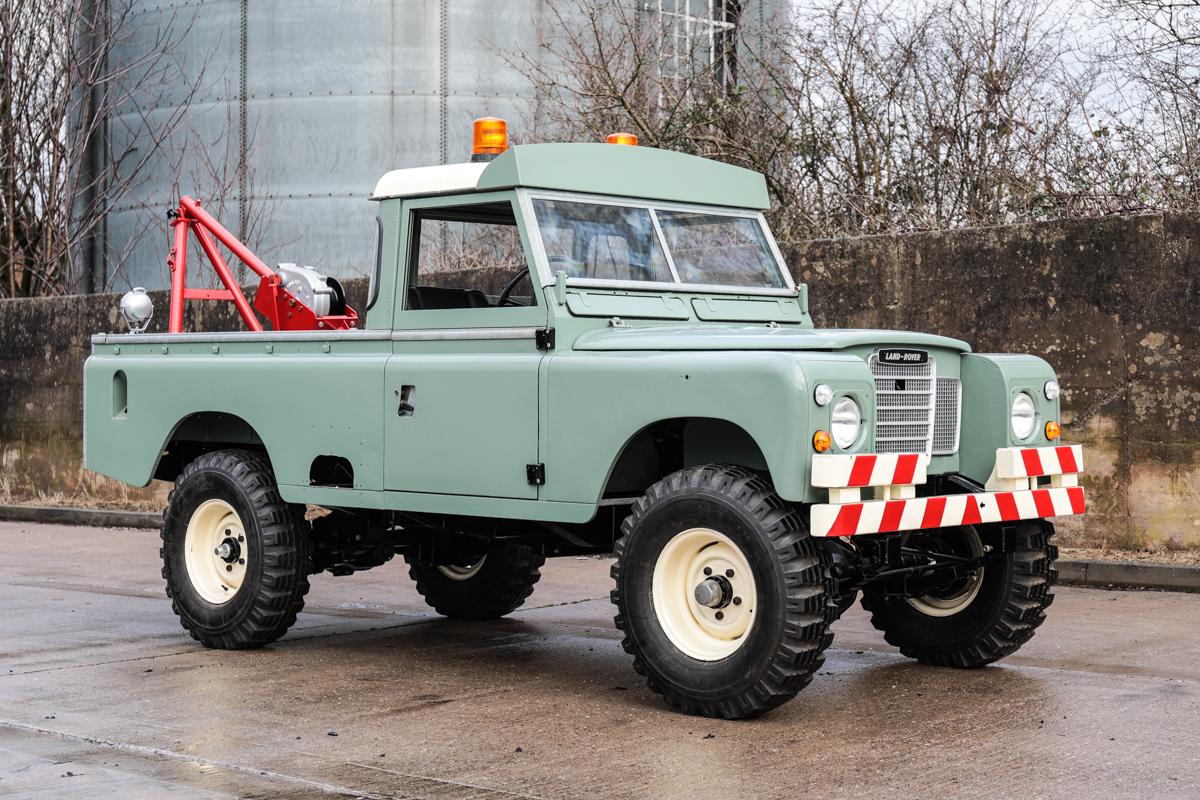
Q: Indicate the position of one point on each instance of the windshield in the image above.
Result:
(600, 241)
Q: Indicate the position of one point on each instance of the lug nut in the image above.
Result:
(241, 561)
(241, 537)
(708, 570)
(720, 615)
(728, 573)
(737, 601)
(229, 567)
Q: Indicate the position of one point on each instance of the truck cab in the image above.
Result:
(599, 348)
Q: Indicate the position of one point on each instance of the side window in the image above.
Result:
(468, 257)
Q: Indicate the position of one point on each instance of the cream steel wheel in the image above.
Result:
(960, 595)
(704, 594)
(215, 551)
(491, 585)
(236, 557)
(722, 596)
(462, 572)
(979, 618)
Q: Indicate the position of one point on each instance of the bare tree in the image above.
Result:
(94, 104)
(613, 67)
(1155, 118)
(872, 116)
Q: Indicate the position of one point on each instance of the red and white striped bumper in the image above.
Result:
(1016, 493)
(886, 516)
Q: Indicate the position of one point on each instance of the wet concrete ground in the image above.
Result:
(102, 695)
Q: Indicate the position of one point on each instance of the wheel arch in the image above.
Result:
(659, 448)
(202, 432)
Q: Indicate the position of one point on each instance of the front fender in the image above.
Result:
(597, 401)
(990, 381)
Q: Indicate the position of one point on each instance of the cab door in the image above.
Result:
(462, 382)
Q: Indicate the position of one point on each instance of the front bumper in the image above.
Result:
(1026, 483)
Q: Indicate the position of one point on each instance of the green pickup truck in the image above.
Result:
(588, 349)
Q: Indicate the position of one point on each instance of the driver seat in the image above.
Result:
(426, 298)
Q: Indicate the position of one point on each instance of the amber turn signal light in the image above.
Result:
(1053, 430)
(822, 441)
(622, 138)
(489, 139)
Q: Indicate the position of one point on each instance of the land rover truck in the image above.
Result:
(576, 349)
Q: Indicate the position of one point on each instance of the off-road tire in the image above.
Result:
(785, 644)
(1009, 607)
(278, 564)
(504, 581)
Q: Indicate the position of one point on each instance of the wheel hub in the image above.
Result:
(228, 551)
(704, 594)
(215, 551)
(714, 592)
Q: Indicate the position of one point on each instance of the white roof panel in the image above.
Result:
(429, 180)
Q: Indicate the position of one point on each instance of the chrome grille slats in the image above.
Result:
(903, 405)
(946, 416)
(915, 410)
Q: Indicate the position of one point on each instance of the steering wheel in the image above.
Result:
(505, 298)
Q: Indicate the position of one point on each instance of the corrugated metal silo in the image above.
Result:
(323, 96)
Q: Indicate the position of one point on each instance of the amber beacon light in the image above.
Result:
(490, 138)
(622, 138)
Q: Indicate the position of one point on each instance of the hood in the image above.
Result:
(755, 337)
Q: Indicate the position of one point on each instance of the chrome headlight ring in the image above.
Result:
(846, 422)
(1023, 416)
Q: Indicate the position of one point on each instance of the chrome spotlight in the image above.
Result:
(137, 308)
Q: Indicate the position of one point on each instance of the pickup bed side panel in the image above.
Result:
(598, 401)
(300, 400)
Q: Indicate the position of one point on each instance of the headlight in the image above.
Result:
(823, 394)
(1051, 389)
(1024, 416)
(847, 419)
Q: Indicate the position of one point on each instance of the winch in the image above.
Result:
(294, 298)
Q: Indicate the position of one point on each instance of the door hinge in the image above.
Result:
(535, 474)
(544, 338)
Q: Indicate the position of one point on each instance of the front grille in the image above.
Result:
(915, 411)
(946, 416)
(903, 406)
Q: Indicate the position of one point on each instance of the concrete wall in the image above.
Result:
(1112, 303)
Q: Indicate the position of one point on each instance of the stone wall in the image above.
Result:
(1112, 303)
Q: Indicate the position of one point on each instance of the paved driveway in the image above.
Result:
(102, 694)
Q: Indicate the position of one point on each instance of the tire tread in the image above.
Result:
(1024, 609)
(286, 553)
(808, 587)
